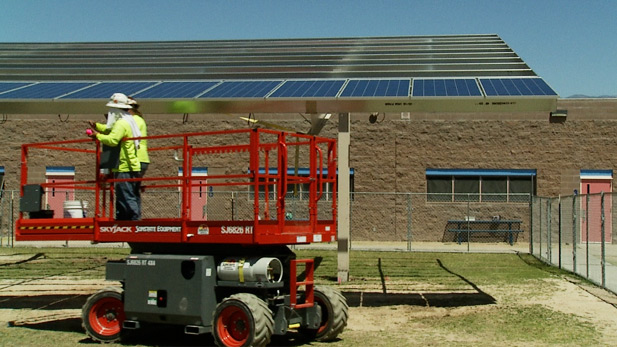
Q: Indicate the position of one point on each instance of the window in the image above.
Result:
(439, 188)
(495, 188)
(480, 185)
(466, 188)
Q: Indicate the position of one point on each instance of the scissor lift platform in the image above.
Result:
(262, 165)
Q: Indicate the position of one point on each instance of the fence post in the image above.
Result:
(468, 223)
(351, 200)
(587, 234)
(12, 218)
(574, 222)
(540, 227)
(2, 193)
(549, 231)
(531, 229)
(559, 231)
(409, 215)
(603, 256)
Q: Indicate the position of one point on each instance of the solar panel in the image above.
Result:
(168, 90)
(242, 89)
(308, 88)
(104, 90)
(44, 90)
(6, 86)
(516, 87)
(376, 88)
(446, 87)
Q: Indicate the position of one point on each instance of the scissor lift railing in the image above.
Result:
(259, 162)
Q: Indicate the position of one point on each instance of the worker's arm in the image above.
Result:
(100, 127)
(117, 133)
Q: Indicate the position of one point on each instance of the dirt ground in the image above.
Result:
(32, 302)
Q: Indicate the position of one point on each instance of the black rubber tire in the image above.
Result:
(242, 320)
(102, 315)
(334, 314)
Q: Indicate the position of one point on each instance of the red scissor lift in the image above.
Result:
(230, 274)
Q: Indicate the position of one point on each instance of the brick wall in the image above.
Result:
(388, 156)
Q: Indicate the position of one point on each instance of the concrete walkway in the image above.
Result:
(500, 247)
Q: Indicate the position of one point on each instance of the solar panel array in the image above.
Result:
(105, 89)
(173, 90)
(308, 88)
(241, 89)
(376, 88)
(516, 86)
(44, 90)
(280, 89)
(446, 87)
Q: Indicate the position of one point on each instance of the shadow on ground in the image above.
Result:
(168, 335)
(360, 299)
(157, 335)
(43, 302)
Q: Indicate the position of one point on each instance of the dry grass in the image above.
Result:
(396, 299)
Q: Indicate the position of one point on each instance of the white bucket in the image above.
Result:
(75, 208)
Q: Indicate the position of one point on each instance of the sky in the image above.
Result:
(572, 44)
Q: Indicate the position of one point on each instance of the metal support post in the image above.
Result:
(343, 223)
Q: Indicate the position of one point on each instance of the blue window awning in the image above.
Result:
(60, 170)
(198, 171)
(482, 172)
(597, 174)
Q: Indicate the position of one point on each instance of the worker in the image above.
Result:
(127, 207)
(142, 151)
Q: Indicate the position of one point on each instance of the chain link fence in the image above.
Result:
(440, 221)
(576, 233)
(401, 221)
(8, 213)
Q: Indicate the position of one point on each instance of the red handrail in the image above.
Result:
(260, 148)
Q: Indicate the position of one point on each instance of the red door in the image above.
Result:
(199, 200)
(591, 210)
(199, 194)
(56, 196)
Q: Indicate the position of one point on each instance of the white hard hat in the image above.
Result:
(131, 101)
(119, 100)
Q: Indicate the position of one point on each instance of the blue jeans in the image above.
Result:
(127, 205)
(140, 174)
